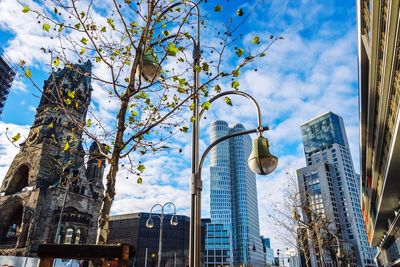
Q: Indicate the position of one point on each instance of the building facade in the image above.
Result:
(268, 251)
(329, 185)
(131, 229)
(7, 74)
(47, 180)
(379, 98)
(233, 196)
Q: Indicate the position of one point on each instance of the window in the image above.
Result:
(68, 236)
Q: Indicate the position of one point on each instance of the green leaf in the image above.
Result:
(83, 50)
(217, 8)
(193, 119)
(46, 27)
(88, 123)
(25, 9)
(107, 147)
(77, 26)
(217, 89)
(84, 40)
(206, 105)
(16, 137)
(172, 50)
(235, 73)
(197, 68)
(139, 180)
(228, 100)
(110, 22)
(51, 125)
(235, 85)
(184, 129)
(82, 14)
(191, 107)
(256, 39)
(22, 62)
(103, 29)
(98, 59)
(28, 73)
(141, 167)
(262, 54)
(66, 146)
(205, 66)
(239, 52)
(67, 101)
(56, 62)
(71, 94)
(166, 32)
(240, 12)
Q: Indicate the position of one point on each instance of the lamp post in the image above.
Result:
(150, 224)
(261, 161)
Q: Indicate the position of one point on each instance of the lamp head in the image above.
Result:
(150, 69)
(149, 223)
(261, 161)
(174, 220)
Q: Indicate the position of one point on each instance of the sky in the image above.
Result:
(312, 71)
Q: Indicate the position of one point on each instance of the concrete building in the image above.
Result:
(131, 229)
(7, 74)
(233, 196)
(329, 184)
(46, 179)
(379, 98)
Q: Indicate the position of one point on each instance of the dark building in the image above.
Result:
(131, 229)
(47, 178)
(7, 74)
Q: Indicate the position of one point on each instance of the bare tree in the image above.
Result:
(310, 230)
(130, 43)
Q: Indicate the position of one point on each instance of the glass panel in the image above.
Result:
(68, 236)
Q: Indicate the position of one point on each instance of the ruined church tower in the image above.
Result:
(48, 178)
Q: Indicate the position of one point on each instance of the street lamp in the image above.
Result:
(261, 161)
(150, 224)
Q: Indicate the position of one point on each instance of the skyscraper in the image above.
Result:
(233, 199)
(7, 73)
(331, 183)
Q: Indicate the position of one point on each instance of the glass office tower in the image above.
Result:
(333, 184)
(233, 197)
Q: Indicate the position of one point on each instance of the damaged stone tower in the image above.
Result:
(48, 177)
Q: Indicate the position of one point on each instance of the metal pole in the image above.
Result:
(160, 240)
(57, 237)
(145, 257)
(175, 259)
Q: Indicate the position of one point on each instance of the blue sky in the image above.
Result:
(311, 71)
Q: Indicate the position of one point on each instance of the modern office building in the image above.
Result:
(131, 229)
(233, 197)
(7, 74)
(379, 98)
(268, 251)
(329, 184)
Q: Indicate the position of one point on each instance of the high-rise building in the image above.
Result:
(49, 194)
(379, 98)
(233, 197)
(7, 74)
(331, 183)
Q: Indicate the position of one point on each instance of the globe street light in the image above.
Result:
(150, 224)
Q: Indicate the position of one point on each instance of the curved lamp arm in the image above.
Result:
(221, 139)
(151, 211)
(240, 93)
(170, 204)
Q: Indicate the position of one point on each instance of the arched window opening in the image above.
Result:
(78, 236)
(68, 236)
(19, 180)
(12, 227)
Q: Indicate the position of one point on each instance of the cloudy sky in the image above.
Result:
(311, 71)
